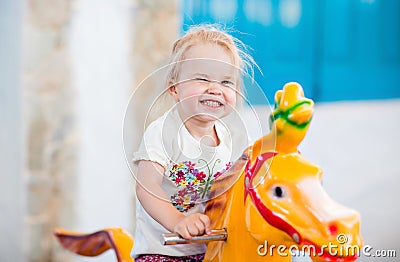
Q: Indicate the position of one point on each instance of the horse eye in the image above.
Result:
(279, 192)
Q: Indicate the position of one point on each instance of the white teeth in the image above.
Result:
(211, 103)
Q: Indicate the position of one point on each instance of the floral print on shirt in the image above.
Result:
(193, 184)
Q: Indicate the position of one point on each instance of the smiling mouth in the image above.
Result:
(211, 103)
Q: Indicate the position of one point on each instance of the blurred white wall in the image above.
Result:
(12, 195)
(100, 47)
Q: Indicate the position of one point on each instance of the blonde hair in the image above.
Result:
(204, 33)
(209, 33)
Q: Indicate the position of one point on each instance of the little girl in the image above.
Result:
(186, 149)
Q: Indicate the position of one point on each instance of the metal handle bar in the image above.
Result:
(216, 235)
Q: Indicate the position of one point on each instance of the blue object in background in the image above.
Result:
(337, 49)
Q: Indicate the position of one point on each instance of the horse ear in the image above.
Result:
(278, 96)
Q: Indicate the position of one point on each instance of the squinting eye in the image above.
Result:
(202, 79)
(228, 83)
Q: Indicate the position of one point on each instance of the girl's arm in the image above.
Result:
(157, 204)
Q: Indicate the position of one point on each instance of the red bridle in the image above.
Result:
(272, 218)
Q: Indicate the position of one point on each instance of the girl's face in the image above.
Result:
(206, 86)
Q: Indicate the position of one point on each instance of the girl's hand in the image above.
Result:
(193, 225)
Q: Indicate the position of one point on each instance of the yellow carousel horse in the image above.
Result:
(276, 203)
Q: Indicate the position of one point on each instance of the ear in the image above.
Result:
(173, 91)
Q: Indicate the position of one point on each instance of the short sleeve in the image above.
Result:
(152, 147)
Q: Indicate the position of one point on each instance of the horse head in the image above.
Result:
(285, 203)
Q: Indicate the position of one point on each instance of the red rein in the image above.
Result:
(269, 216)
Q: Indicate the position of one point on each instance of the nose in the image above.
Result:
(214, 88)
(345, 229)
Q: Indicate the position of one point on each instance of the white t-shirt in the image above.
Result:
(190, 168)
